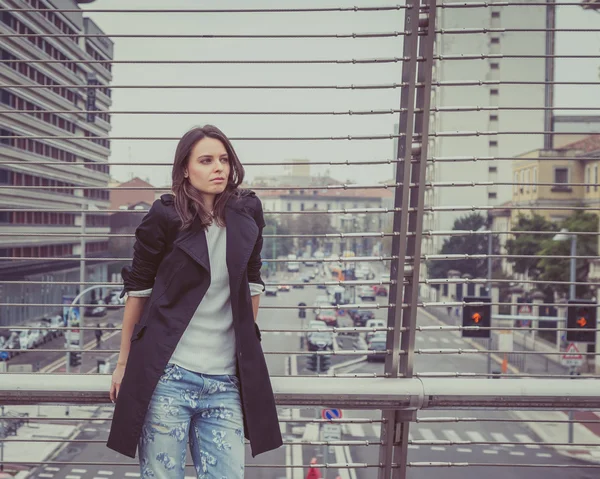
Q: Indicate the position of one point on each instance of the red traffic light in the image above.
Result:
(581, 322)
(476, 317)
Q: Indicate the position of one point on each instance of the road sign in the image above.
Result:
(331, 432)
(330, 414)
(3, 355)
(572, 357)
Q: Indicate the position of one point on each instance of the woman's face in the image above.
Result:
(208, 167)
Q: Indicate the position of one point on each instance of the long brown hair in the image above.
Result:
(189, 203)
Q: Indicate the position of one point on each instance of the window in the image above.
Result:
(493, 117)
(301, 206)
(495, 66)
(315, 206)
(527, 181)
(493, 143)
(493, 169)
(492, 195)
(588, 174)
(561, 179)
(516, 183)
(534, 187)
(596, 177)
(495, 40)
(521, 188)
(495, 14)
(494, 91)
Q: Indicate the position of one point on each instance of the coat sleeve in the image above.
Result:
(148, 251)
(255, 262)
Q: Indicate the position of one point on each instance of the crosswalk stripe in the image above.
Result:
(464, 449)
(451, 435)
(475, 436)
(499, 437)
(445, 340)
(356, 430)
(524, 438)
(427, 434)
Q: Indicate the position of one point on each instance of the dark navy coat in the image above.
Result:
(175, 264)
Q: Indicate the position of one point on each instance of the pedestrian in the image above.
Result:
(98, 334)
(191, 367)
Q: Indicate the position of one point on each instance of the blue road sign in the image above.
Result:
(330, 414)
(3, 355)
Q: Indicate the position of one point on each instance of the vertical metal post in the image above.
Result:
(400, 223)
(549, 74)
(2, 441)
(489, 288)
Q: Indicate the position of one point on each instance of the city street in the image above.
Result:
(278, 345)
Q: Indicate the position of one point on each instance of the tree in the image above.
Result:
(313, 224)
(528, 244)
(554, 269)
(274, 247)
(465, 244)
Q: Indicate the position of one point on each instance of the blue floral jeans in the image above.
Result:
(202, 408)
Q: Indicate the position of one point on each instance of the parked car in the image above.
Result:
(365, 292)
(97, 311)
(373, 323)
(13, 343)
(25, 340)
(52, 322)
(113, 299)
(298, 286)
(305, 279)
(377, 344)
(321, 301)
(284, 288)
(271, 291)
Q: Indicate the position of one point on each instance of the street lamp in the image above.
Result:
(564, 235)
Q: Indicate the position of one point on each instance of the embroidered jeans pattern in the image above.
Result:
(202, 409)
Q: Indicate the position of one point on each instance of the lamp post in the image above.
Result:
(489, 290)
(564, 235)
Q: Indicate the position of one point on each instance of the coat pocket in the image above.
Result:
(138, 331)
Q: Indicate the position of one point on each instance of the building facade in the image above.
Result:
(54, 170)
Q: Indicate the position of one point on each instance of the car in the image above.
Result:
(365, 292)
(113, 299)
(373, 323)
(298, 286)
(320, 340)
(284, 288)
(97, 311)
(378, 345)
(305, 279)
(293, 267)
(271, 291)
(328, 316)
(380, 290)
(360, 316)
(321, 301)
(53, 322)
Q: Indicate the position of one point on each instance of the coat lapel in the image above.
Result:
(242, 234)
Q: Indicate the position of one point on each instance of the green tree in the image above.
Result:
(465, 244)
(528, 244)
(313, 224)
(274, 247)
(554, 269)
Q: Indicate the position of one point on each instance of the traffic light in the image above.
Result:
(312, 362)
(74, 359)
(480, 315)
(301, 311)
(581, 321)
(325, 363)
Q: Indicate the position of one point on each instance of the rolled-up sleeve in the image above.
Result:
(148, 251)
(255, 262)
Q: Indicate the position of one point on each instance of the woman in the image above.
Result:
(190, 365)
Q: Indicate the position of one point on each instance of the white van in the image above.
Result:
(374, 323)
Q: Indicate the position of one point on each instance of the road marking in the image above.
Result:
(543, 454)
(516, 453)
(49, 468)
(464, 449)
(70, 476)
(499, 437)
(438, 448)
(413, 446)
(350, 461)
(489, 451)
(451, 435)
(475, 436)
(42, 474)
(356, 430)
(427, 434)
(445, 340)
(90, 429)
(340, 458)
(79, 471)
(132, 474)
(106, 473)
(524, 438)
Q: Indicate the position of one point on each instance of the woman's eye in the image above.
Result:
(225, 160)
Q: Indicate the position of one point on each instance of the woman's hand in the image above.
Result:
(115, 384)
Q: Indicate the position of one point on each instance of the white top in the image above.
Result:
(208, 344)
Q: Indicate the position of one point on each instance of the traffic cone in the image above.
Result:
(313, 472)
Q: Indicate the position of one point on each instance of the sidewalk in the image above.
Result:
(586, 437)
(55, 433)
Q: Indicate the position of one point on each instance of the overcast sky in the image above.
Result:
(279, 100)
